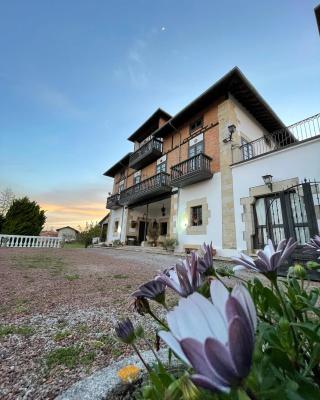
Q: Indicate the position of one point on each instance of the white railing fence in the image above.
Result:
(29, 241)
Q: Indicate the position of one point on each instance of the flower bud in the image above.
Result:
(125, 331)
(299, 271)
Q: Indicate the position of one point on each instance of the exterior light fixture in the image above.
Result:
(231, 128)
(163, 210)
(267, 179)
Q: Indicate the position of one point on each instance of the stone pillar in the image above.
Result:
(227, 116)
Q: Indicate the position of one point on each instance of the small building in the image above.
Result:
(50, 233)
(104, 228)
(68, 233)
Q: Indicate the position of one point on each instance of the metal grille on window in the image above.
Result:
(196, 216)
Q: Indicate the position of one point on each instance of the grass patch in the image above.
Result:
(74, 245)
(69, 356)
(120, 276)
(55, 265)
(82, 328)
(61, 335)
(72, 277)
(15, 330)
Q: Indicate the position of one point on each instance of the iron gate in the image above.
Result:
(293, 212)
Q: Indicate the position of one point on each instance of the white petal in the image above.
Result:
(174, 345)
(173, 325)
(238, 268)
(216, 322)
(191, 321)
(219, 296)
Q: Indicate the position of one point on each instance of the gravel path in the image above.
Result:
(57, 312)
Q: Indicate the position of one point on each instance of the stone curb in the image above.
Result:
(100, 384)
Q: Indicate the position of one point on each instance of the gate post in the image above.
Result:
(310, 210)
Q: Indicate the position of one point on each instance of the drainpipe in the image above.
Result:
(145, 223)
(178, 199)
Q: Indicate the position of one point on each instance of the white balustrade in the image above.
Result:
(29, 241)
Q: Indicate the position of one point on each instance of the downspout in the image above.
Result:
(178, 199)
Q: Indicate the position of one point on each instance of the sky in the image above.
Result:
(78, 77)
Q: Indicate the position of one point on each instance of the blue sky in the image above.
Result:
(78, 77)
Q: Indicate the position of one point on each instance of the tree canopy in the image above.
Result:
(24, 217)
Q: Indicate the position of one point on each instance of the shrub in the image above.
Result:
(169, 243)
(259, 339)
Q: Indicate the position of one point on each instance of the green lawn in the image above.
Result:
(73, 245)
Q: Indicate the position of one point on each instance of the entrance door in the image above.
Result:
(143, 230)
(293, 212)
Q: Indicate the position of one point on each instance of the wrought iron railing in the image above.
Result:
(199, 162)
(153, 184)
(293, 134)
(113, 201)
(152, 144)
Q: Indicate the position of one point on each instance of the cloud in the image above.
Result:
(137, 68)
(73, 206)
(56, 100)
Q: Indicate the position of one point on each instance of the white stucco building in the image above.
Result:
(198, 175)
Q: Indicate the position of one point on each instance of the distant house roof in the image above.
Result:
(237, 84)
(69, 227)
(317, 12)
(104, 219)
(49, 233)
(118, 165)
(150, 125)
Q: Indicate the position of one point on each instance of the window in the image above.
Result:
(136, 179)
(161, 167)
(116, 226)
(197, 124)
(121, 186)
(247, 149)
(196, 216)
(133, 224)
(196, 149)
(163, 228)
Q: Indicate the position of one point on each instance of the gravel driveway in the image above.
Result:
(57, 312)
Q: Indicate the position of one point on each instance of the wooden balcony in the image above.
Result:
(147, 189)
(113, 202)
(147, 153)
(192, 170)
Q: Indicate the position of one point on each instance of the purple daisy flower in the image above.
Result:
(216, 339)
(269, 259)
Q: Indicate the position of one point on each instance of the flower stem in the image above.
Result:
(158, 320)
(276, 286)
(151, 348)
(140, 356)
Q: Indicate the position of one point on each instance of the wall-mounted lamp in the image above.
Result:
(267, 179)
(231, 128)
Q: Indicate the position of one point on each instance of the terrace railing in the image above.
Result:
(294, 134)
(29, 241)
(113, 202)
(157, 184)
(147, 153)
(194, 169)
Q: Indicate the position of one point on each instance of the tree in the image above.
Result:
(6, 199)
(91, 231)
(2, 219)
(24, 217)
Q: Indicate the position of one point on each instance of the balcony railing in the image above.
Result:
(147, 153)
(195, 169)
(113, 202)
(151, 187)
(294, 134)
